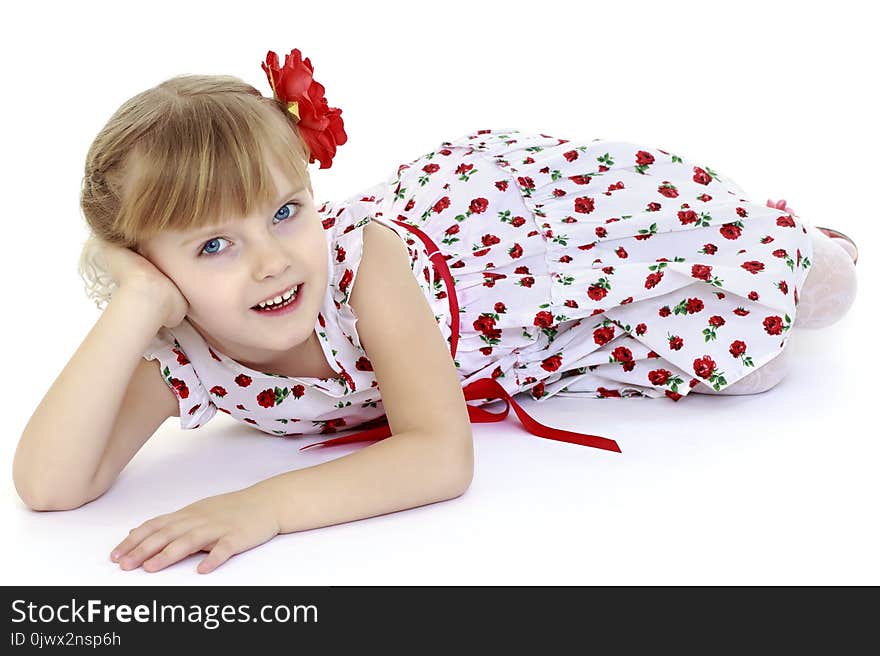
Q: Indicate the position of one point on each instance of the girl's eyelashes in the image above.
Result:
(284, 207)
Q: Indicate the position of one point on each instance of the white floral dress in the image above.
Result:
(575, 268)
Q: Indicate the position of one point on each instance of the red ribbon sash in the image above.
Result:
(483, 388)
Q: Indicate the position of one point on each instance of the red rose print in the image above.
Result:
(431, 168)
(348, 379)
(701, 177)
(266, 398)
(526, 182)
(580, 179)
(552, 363)
(346, 279)
(243, 380)
(603, 335)
(737, 348)
(659, 376)
(484, 323)
(571, 155)
(773, 325)
(730, 231)
(753, 266)
(537, 391)
(597, 293)
(687, 216)
(701, 271)
(543, 319)
(704, 366)
(441, 204)
(716, 321)
(667, 190)
(584, 205)
(622, 354)
(181, 356)
(180, 388)
(217, 390)
(785, 221)
(653, 279)
(478, 205)
(694, 305)
(606, 393)
(644, 158)
(675, 343)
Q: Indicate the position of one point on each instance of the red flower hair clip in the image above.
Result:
(320, 125)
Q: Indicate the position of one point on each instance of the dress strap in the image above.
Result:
(482, 388)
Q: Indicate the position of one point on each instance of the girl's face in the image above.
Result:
(223, 272)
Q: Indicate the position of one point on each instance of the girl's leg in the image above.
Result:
(828, 292)
(830, 287)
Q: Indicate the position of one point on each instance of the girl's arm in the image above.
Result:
(403, 471)
(63, 442)
(429, 456)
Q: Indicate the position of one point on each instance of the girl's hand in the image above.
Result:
(225, 525)
(132, 271)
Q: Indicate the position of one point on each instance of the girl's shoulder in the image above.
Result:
(179, 351)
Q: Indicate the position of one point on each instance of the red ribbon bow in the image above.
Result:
(320, 126)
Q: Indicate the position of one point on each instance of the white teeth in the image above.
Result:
(280, 299)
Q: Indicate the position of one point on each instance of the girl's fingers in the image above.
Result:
(152, 543)
(135, 536)
(191, 542)
(222, 551)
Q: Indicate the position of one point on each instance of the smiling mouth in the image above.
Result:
(269, 305)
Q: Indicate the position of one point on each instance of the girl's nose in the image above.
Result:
(270, 261)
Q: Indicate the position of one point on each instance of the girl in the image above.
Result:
(496, 264)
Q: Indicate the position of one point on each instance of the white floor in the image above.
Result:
(776, 488)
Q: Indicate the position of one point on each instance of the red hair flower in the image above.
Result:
(320, 125)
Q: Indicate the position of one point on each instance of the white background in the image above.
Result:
(777, 488)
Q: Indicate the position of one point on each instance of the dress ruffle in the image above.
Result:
(195, 405)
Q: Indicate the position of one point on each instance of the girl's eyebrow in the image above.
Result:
(201, 234)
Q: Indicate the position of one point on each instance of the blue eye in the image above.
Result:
(285, 215)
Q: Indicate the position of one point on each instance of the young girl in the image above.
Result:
(499, 263)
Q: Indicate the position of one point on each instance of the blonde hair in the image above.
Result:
(185, 154)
